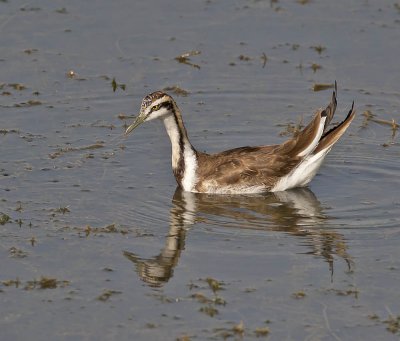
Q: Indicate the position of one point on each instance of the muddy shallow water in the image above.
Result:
(95, 239)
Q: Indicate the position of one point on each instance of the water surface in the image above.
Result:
(99, 243)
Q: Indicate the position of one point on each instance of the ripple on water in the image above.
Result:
(360, 186)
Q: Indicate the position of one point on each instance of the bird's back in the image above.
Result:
(243, 170)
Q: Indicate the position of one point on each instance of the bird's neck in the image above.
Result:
(184, 156)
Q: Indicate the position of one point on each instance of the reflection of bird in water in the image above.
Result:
(296, 212)
(158, 270)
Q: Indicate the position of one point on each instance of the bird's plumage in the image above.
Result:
(246, 169)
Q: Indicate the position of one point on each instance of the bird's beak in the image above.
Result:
(139, 120)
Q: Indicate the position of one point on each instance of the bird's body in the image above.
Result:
(246, 169)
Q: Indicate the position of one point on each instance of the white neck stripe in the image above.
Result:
(189, 176)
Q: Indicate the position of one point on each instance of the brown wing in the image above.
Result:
(247, 166)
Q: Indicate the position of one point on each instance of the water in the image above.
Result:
(100, 243)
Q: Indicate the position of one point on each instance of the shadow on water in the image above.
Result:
(296, 212)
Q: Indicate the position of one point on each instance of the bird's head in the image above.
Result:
(155, 105)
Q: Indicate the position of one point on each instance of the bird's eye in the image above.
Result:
(156, 107)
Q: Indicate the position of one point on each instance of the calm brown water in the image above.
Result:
(99, 244)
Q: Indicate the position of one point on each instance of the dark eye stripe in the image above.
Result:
(166, 105)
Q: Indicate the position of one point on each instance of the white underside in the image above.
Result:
(303, 173)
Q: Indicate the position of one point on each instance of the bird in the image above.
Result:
(249, 169)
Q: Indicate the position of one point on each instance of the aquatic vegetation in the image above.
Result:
(261, 331)
(19, 208)
(99, 230)
(33, 241)
(209, 310)
(370, 117)
(184, 58)
(315, 67)
(30, 9)
(106, 295)
(17, 253)
(4, 218)
(71, 74)
(62, 210)
(30, 103)
(62, 151)
(322, 86)
(30, 51)
(42, 283)
(16, 86)
(349, 292)
(239, 328)
(214, 284)
(123, 116)
(318, 48)
(201, 298)
(292, 129)
(11, 282)
(177, 90)
(210, 304)
(393, 324)
(244, 58)
(299, 294)
(264, 59)
(116, 85)
(62, 10)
